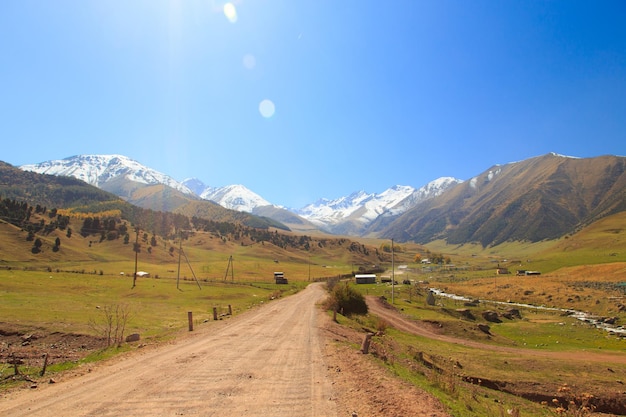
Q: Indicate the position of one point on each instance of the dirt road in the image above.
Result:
(264, 362)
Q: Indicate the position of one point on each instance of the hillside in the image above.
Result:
(65, 192)
(49, 190)
(540, 198)
(80, 223)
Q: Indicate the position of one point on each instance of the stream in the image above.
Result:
(579, 315)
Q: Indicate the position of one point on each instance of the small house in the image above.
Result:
(365, 278)
(279, 277)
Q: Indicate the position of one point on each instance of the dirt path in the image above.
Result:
(286, 358)
(400, 322)
(265, 362)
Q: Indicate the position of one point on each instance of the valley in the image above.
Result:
(67, 288)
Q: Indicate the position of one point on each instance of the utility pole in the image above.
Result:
(230, 267)
(136, 253)
(180, 253)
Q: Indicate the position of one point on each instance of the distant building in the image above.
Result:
(365, 278)
(279, 277)
(525, 272)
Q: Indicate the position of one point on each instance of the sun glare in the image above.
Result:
(230, 12)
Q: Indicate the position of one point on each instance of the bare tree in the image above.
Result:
(111, 326)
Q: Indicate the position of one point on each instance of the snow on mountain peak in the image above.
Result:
(364, 208)
(355, 211)
(235, 197)
(99, 169)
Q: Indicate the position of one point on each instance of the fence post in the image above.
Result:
(14, 359)
(190, 318)
(365, 346)
(45, 364)
(214, 313)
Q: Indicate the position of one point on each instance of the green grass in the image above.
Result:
(68, 301)
(557, 334)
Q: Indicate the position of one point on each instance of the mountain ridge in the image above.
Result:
(543, 197)
(135, 183)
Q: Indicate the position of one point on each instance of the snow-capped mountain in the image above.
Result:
(352, 214)
(433, 189)
(234, 197)
(360, 209)
(98, 170)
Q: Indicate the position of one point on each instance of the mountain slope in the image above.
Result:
(540, 198)
(49, 190)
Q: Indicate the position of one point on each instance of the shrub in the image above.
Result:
(347, 300)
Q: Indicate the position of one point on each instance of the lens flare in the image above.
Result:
(267, 108)
(230, 12)
(249, 61)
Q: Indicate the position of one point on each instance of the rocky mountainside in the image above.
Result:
(540, 198)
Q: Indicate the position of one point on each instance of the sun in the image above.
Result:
(230, 11)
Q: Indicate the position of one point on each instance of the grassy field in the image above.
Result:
(67, 302)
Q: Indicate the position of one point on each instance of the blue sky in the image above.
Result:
(366, 94)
